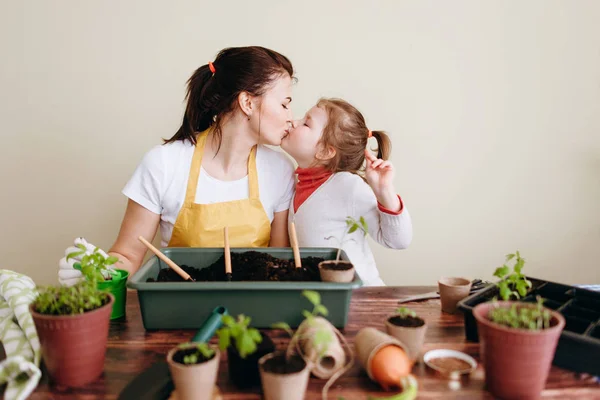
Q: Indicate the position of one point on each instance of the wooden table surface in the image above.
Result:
(131, 350)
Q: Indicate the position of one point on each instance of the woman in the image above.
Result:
(214, 172)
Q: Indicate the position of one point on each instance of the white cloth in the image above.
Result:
(160, 181)
(20, 370)
(324, 214)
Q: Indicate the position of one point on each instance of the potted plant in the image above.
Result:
(406, 326)
(517, 340)
(72, 325)
(314, 347)
(194, 368)
(512, 284)
(245, 346)
(98, 267)
(337, 270)
(452, 290)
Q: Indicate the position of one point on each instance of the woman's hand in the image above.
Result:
(380, 176)
(67, 274)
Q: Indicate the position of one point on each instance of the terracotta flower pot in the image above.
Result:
(340, 272)
(411, 334)
(74, 346)
(194, 381)
(283, 380)
(453, 290)
(368, 342)
(516, 361)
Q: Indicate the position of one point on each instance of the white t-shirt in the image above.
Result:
(324, 215)
(159, 183)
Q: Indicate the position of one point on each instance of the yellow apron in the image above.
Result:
(201, 225)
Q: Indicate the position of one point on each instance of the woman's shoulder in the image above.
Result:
(168, 152)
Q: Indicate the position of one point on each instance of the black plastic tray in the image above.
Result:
(579, 344)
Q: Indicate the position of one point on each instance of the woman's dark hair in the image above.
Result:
(210, 96)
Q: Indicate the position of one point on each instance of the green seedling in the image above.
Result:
(530, 317)
(405, 312)
(201, 351)
(246, 339)
(95, 267)
(512, 284)
(352, 226)
(321, 338)
(70, 300)
(317, 334)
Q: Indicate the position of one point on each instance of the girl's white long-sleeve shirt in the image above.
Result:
(323, 214)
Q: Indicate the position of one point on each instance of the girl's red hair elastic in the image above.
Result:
(211, 67)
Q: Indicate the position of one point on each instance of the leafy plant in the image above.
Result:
(405, 312)
(245, 338)
(318, 334)
(70, 300)
(201, 350)
(95, 266)
(321, 338)
(352, 226)
(512, 284)
(522, 316)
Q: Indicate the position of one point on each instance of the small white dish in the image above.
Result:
(446, 353)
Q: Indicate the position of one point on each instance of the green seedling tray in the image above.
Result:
(185, 305)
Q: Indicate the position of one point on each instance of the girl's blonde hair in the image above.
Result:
(347, 132)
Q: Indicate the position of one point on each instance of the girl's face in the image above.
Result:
(302, 141)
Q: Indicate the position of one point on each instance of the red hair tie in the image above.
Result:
(211, 67)
(370, 133)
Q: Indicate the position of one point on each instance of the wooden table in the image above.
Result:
(131, 350)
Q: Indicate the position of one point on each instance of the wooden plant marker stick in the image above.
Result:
(167, 260)
(294, 239)
(228, 272)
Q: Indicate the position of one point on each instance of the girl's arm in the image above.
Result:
(388, 220)
(390, 229)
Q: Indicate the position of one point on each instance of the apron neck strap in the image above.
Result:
(253, 191)
(190, 194)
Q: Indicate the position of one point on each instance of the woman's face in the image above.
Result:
(302, 142)
(275, 116)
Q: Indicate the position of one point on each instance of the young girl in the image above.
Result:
(330, 146)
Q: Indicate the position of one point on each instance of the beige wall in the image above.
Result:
(493, 108)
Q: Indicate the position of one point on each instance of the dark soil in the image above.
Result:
(410, 322)
(340, 266)
(178, 356)
(278, 365)
(249, 266)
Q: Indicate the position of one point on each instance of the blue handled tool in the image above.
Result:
(210, 325)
